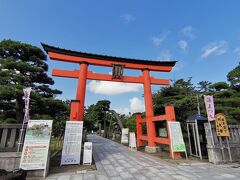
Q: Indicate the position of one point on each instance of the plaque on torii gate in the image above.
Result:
(118, 64)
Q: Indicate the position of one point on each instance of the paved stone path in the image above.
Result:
(115, 161)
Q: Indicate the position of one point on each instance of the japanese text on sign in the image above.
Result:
(71, 152)
(209, 103)
(221, 125)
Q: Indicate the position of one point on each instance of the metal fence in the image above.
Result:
(223, 149)
(9, 136)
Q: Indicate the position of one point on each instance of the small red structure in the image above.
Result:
(118, 64)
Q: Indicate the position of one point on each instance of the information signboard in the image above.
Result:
(87, 154)
(163, 132)
(132, 140)
(124, 137)
(36, 145)
(71, 152)
(221, 125)
(176, 137)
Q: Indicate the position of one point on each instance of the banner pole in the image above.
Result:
(20, 139)
(26, 92)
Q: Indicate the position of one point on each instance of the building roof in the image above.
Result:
(49, 48)
(197, 117)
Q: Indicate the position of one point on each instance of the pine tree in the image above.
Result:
(22, 65)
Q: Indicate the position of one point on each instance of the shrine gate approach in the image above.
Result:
(118, 64)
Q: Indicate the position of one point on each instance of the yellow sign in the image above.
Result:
(221, 125)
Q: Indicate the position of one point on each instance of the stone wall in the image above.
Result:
(10, 160)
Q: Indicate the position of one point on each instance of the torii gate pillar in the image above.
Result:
(149, 108)
(77, 107)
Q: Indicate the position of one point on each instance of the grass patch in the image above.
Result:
(56, 145)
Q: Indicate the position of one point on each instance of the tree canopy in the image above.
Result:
(96, 113)
(183, 95)
(23, 65)
(234, 78)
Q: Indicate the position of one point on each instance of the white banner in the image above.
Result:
(209, 103)
(87, 154)
(124, 137)
(71, 152)
(132, 140)
(26, 92)
(36, 145)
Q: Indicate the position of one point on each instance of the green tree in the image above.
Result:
(204, 86)
(96, 113)
(234, 78)
(22, 65)
(182, 95)
(218, 86)
(130, 122)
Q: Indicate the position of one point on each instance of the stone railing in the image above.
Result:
(9, 137)
(223, 149)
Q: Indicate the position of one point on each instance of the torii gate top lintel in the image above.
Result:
(104, 60)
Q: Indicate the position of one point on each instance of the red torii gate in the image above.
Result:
(118, 64)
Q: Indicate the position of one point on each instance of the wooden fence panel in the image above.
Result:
(222, 149)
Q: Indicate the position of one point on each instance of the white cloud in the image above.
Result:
(157, 40)
(183, 45)
(136, 105)
(122, 110)
(112, 88)
(188, 32)
(215, 48)
(128, 18)
(165, 55)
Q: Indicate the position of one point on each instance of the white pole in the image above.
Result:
(198, 141)
(189, 140)
(20, 139)
(194, 137)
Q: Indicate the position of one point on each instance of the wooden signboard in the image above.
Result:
(221, 125)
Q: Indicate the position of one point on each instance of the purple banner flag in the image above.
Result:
(26, 92)
(209, 103)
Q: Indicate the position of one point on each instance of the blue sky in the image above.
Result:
(203, 36)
